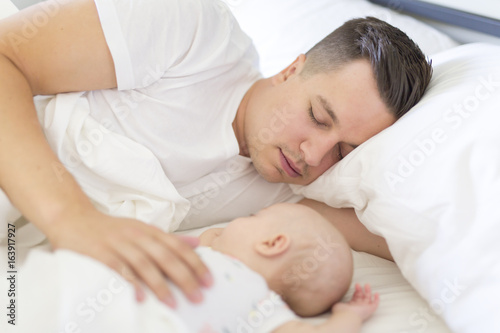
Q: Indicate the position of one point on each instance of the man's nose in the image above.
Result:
(316, 148)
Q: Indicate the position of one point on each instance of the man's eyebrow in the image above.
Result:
(324, 103)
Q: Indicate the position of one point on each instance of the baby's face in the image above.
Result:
(244, 230)
(207, 237)
(238, 231)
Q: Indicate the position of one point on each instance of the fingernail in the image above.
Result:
(207, 280)
(196, 296)
(140, 295)
(192, 241)
(170, 301)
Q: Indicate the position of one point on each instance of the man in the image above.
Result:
(190, 65)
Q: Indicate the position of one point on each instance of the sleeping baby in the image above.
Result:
(286, 257)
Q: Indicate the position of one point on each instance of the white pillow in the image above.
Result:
(282, 29)
(430, 184)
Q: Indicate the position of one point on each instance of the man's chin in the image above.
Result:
(287, 179)
(276, 175)
(300, 181)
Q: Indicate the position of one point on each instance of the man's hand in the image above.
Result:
(137, 251)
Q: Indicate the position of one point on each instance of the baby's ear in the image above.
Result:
(273, 246)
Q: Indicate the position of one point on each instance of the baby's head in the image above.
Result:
(302, 256)
(318, 269)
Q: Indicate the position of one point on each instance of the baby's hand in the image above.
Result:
(361, 303)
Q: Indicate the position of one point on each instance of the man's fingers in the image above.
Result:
(188, 256)
(145, 268)
(181, 264)
(124, 270)
(158, 255)
(169, 264)
(129, 275)
(190, 240)
(142, 254)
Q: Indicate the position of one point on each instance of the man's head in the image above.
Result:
(301, 255)
(401, 70)
(353, 84)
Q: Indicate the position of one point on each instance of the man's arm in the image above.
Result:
(65, 52)
(68, 52)
(356, 234)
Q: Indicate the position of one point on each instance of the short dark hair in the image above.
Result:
(401, 70)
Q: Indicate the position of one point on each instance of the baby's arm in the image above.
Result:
(346, 317)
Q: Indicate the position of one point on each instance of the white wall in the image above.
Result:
(24, 3)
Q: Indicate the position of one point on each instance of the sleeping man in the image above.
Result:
(186, 87)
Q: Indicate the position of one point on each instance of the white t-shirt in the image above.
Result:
(238, 301)
(182, 68)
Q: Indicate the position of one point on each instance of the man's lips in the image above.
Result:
(288, 166)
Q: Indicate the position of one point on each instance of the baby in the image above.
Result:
(284, 252)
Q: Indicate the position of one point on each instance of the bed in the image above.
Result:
(429, 185)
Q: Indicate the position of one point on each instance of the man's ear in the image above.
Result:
(273, 246)
(294, 68)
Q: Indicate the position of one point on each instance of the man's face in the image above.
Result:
(296, 128)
